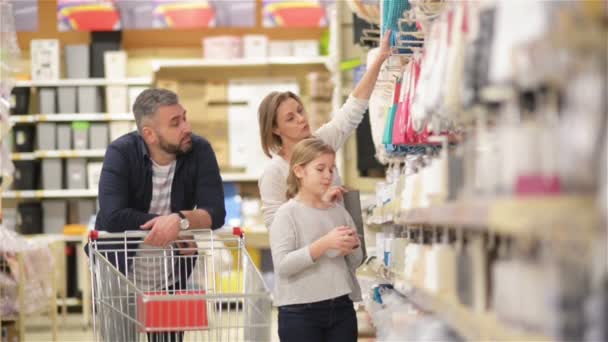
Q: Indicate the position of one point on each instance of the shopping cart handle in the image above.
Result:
(93, 235)
(237, 231)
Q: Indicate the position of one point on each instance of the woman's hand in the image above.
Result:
(385, 47)
(334, 194)
(364, 89)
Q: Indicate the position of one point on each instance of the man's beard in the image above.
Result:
(173, 148)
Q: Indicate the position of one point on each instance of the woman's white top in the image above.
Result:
(273, 182)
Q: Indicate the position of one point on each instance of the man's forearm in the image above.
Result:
(199, 218)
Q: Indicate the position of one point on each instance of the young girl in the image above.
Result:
(315, 250)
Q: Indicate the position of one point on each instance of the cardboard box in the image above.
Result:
(44, 59)
(216, 92)
(215, 113)
(115, 64)
(117, 99)
(168, 84)
(221, 150)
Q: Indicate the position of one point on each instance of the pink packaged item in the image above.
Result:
(223, 47)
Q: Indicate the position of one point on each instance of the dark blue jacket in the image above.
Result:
(125, 187)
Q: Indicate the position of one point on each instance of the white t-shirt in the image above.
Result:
(152, 270)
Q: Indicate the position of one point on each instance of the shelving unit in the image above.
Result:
(72, 82)
(67, 193)
(71, 117)
(64, 193)
(237, 63)
(59, 154)
(471, 325)
(523, 217)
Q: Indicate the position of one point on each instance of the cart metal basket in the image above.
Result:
(184, 292)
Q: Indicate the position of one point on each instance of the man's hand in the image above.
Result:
(163, 230)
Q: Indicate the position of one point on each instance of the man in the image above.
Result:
(164, 179)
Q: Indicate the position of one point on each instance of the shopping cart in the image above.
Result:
(186, 291)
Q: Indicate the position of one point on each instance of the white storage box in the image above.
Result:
(55, 214)
(280, 48)
(93, 173)
(133, 93)
(306, 48)
(44, 59)
(116, 99)
(120, 128)
(222, 47)
(115, 64)
(76, 173)
(255, 46)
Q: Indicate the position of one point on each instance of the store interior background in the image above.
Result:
(323, 66)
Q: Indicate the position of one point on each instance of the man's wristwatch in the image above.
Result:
(184, 223)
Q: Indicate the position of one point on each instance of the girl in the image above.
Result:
(315, 251)
(283, 123)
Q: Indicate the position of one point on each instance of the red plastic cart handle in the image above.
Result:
(237, 231)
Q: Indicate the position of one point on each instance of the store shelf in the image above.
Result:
(206, 63)
(71, 117)
(86, 82)
(547, 217)
(11, 318)
(65, 193)
(471, 325)
(69, 302)
(239, 177)
(59, 154)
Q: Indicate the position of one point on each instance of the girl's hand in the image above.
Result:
(333, 194)
(341, 239)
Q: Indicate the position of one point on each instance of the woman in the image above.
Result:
(283, 123)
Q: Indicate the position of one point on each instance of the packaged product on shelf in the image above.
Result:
(255, 46)
(115, 64)
(77, 61)
(44, 59)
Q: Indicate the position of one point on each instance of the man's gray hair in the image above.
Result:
(149, 101)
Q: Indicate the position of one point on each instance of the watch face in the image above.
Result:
(184, 224)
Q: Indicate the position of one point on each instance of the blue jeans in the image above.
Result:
(329, 320)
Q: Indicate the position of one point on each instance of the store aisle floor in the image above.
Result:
(38, 330)
(72, 330)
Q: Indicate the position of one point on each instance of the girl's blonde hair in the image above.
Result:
(304, 152)
(267, 117)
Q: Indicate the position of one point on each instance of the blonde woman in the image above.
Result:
(315, 251)
(284, 123)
